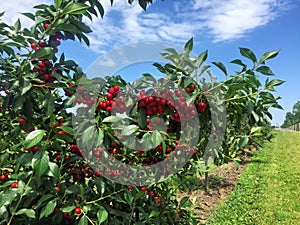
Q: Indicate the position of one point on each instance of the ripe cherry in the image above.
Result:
(143, 188)
(201, 106)
(21, 121)
(78, 210)
(116, 88)
(14, 185)
(46, 25)
(3, 178)
(33, 45)
(158, 200)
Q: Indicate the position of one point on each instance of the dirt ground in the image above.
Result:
(222, 182)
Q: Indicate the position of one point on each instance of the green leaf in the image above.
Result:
(142, 118)
(67, 129)
(17, 26)
(29, 15)
(143, 4)
(75, 8)
(67, 27)
(72, 190)
(221, 67)
(129, 130)
(48, 209)
(88, 134)
(188, 47)
(238, 62)
(25, 85)
(184, 201)
(201, 58)
(45, 52)
(57, 3)
(139, 195)
(255, 130)
(272, 83)
(28, 212)
(128, 197)
(49, 104)
(54, 170)
(102, 215)
(248, 54)
(156, 138)
(111, 119)
(33, 138)
(40, 162)
(267, 56)
(83, 221)
(68, 208)
(243, 141)
(154, 213)
(100, 8)
(43, 199)
(7, 197)
(264, 70)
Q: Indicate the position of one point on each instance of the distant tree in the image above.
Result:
(293, 117)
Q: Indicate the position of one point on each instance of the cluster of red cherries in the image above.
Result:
(43, 67)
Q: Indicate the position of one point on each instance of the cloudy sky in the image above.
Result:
(219, 26)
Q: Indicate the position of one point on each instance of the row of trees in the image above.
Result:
(292, 117)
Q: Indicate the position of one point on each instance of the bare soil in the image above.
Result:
(221, 183)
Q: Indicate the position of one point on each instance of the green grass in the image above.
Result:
(268, 192)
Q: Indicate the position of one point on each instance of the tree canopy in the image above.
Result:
(293, 117)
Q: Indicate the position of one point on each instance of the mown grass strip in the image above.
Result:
(268, 192)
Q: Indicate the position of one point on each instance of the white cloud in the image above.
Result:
(175, 22)
(221, 20)
(13, 10)
(231, 19)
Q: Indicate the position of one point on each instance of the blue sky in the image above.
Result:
(218, 26)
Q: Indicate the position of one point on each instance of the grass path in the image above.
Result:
(268, 192)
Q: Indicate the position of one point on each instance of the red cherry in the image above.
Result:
(158, 200)
(109, 96)
(35, 148)
(55, 210)
(46, 77)
(3, 178)
(41, 64)
(98, 173)
(111, 90)
(188, 90)
(78, 210)
(33, 45)
(14, 185)
(201, 106)
(58, 189)
(21, 121)
(143, 188)
(46, 25)
(116, 88)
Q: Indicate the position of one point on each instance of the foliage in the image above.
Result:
(44, 176)
(293, 117)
